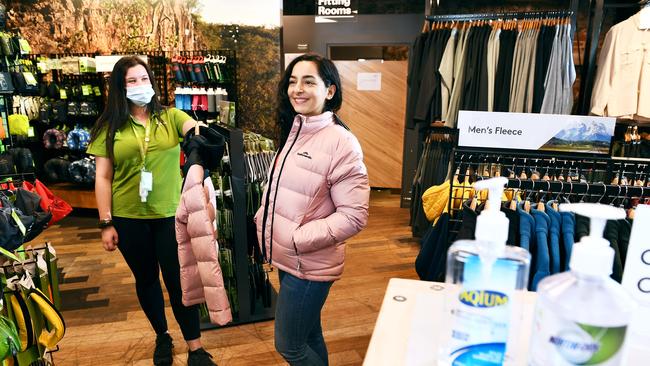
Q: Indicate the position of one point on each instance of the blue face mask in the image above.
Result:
(140, 95)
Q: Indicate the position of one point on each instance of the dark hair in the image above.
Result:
(330, 75)
(116, 112)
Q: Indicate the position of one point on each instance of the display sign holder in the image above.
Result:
(536, 132)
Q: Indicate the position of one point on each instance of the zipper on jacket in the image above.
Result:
(275, 196)
(295, 247)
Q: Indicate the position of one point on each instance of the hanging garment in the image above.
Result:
(544, 46)
(428, 105)
(413, 78)
(446, 70)
(201, 277)
(513, 224)
(435, 201)
(474, 95)
(541, 269)
(526, 227)
(568, 235)
(611, 234)
(554, 237)
(503, 76)
(430, 262)
(493, 61)
(622, 82)
(624, 238)
(569, 72)
(460, 60)
(552, 82)
(558, 94)
(530, 77)
(467, 228)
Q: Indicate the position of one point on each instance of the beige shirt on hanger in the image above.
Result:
(528, 97)
(446, 70)
(514, 75)
(622, 85)
(493, 61)
(459, 80)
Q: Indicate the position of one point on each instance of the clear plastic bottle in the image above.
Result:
(581, 316)
(485, 304)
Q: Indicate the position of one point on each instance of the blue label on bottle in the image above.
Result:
(483, 298)
(489, 354)
(481, 313)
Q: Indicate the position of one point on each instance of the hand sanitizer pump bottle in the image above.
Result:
(581, 316)
(487, 274)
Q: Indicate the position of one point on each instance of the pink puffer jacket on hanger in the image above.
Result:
(201, 278)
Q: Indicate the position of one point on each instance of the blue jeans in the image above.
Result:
(298, 333)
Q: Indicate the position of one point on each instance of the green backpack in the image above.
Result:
(9, 340)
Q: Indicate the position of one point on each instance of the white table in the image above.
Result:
(412, 318)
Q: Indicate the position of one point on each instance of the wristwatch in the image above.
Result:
(104, 223)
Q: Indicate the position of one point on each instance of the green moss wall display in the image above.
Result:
(125, 26)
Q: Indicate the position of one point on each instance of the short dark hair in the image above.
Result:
(116, 112)
(330, 75)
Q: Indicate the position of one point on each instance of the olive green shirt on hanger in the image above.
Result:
(162, 160)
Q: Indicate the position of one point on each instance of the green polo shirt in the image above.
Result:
(162, 160)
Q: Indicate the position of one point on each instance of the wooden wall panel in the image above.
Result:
(377, 117)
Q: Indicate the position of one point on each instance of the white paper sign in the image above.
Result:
(532, 131)
(106, 63)
(369, 81)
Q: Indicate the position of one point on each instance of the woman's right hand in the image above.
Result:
(109, 238)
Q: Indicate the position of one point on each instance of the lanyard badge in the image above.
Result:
(146, 177)
(146, 184)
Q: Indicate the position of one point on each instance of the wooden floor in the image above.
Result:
(106, 327)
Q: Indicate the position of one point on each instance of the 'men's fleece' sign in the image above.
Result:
(533, 131)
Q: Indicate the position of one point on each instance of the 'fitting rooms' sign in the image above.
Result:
(331, 11)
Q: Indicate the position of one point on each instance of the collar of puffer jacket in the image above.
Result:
(312, 124)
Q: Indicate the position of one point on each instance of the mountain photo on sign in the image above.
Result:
(581, 136)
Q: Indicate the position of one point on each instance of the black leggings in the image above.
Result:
(148, 245)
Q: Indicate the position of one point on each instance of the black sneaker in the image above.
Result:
(162, 355)
(200, 358)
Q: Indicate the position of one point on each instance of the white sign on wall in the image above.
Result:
(332, 11)
(369, 81)
(533, 131)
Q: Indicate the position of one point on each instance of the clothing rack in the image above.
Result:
(572, 10)
(245, 297)
(505, 15)
(584, 178)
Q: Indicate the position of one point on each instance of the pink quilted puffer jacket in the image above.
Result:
(320, 201)
(201, 279)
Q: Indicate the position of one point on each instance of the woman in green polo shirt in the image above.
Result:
(137, 187)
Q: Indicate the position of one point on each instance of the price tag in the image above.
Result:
(63, 94)
(98, 93)
(86, 90)
(30, 132)
(29, 78)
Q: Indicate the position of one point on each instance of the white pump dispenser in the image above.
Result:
(487, 274)
(593, 256)
(581, 316)
(492, 224)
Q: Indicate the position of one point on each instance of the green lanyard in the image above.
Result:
(143, 147)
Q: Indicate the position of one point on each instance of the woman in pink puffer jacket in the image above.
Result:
(316, 198)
